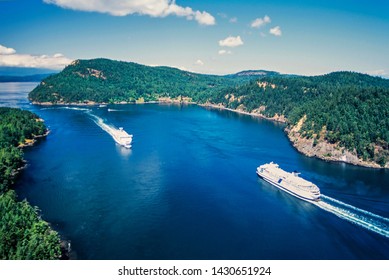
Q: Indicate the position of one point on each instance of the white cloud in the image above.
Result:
(199, 62)
(231, 42)
(276, 31)
(9, 57)
(204, 18)
(153, 8)
(223, 52)
(6, 51)
(233, 20)
(259, 22)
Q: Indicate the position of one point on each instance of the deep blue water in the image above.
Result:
(188, 188)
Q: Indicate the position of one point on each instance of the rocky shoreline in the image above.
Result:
(31, 142)
(276, 118)
(322, 149)
(326, 151)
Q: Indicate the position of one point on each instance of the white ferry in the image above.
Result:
(122, 138)
(289, 182)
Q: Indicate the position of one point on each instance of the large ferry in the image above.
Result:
(122, 137)
(289, 182)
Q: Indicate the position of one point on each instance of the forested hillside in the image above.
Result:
(23, 234)
(346, 108)
(103, 80)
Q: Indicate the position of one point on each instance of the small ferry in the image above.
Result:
(289, 182)
(122, 137)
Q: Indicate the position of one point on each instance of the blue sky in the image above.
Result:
(219, 37)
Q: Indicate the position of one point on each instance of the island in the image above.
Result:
(24, 234)
(340, 116)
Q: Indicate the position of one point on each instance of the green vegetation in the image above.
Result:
(16, 126)
(350, 109)
(103, 80)
(23, 234)
(345, 108)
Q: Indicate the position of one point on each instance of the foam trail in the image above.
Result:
(358, 216)
(367, 213)
(100, 122)
(76, 109)
(67, 108)
(110, 129)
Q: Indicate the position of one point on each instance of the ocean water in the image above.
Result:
(188, 189)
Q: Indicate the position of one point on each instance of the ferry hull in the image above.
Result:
(122, 138)
(308, 199)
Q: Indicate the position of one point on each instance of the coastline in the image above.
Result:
(161, 100)
(31, 142)
(279, 119)
(327, 151)
(64, 244)
(23, 223)
(322, 150)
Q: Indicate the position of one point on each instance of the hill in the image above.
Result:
(340, 116)
(254, 74)
(103, 80)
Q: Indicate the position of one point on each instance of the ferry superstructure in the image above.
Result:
(289, 182)
(122, 137)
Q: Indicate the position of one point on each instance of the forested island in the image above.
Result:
(23, 234)
(341, 116)
(108, 81)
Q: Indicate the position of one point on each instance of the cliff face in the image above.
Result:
(322, 149)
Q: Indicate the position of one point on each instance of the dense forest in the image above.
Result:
(350, 109)
(344, 108)
(103, 80)
(23, 234)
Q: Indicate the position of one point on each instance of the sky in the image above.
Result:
(303, 37)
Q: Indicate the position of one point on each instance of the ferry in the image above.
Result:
(122, 137)
(289, 182)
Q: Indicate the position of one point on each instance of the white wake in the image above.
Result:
(110, 129)
(358, 216)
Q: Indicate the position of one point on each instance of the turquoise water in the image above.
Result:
(188, 189)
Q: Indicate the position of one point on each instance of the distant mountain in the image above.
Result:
(256, 73)
(30, 78)
(24, 71)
